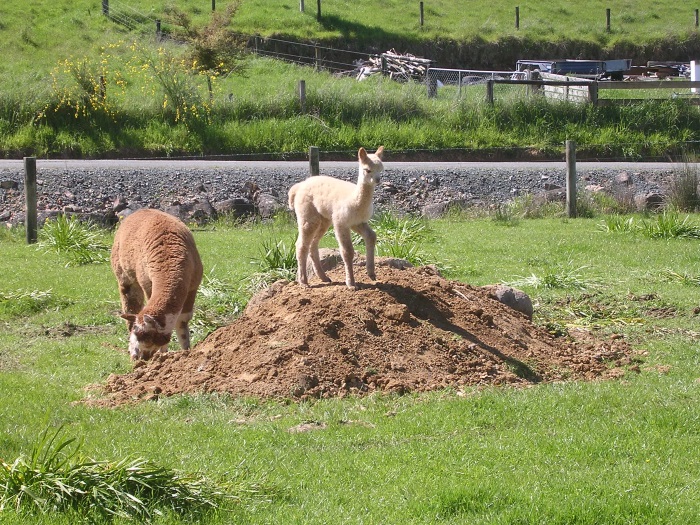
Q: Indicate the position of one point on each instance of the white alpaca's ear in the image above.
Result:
(362, 154)
(379, 152)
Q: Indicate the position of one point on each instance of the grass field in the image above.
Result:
(621, 451)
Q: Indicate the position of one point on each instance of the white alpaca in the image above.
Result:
(154, 256)
(322, 201)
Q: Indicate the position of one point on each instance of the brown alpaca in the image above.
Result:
(321, 201)
(154, 257)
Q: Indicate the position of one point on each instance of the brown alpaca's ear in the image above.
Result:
(362, 154)
(379, 152)
(129, 318)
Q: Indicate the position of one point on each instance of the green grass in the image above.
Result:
(159, 101)
(622, 451)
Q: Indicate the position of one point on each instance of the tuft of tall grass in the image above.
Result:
(53, 478)
(400, 237)
(683, 192)
(618, 224)
(78, 241)
(670, 225)
(277, 261)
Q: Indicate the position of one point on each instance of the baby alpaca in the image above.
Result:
(322, 201)
(154, 257)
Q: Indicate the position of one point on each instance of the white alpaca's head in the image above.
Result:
(370, 166)
(147, 335)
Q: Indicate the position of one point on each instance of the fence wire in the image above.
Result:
(470, 84)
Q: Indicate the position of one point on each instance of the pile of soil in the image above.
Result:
(411, 331)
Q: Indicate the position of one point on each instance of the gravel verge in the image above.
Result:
(200, 190)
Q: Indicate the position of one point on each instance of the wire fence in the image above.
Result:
(129, 17)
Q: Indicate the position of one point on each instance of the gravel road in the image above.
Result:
(201, 189)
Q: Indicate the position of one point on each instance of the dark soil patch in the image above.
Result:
(412, 331)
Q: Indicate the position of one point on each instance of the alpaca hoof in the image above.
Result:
(372, 276)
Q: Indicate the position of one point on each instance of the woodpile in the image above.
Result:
(398, 67)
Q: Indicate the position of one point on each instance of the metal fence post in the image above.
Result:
(30, 198)
(314, 161)
(571, 179)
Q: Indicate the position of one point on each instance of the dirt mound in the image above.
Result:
(410, 331)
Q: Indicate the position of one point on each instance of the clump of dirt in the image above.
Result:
(411, 331)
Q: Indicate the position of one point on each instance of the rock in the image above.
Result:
(649, 201)
(267, 205)
(9, 185)
(512, 297)
(236, 207)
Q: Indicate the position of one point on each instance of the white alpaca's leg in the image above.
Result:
(370, 239)
(303, 244)
(347, 253)
(313, 250)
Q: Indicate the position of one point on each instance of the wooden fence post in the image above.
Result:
(489, 91)
(593, 92)
(105, 7)
(318, 10)
(421, 14)
(213, 5)
(517, 17)
(607, 19)
(571, 179)
(301, 5)
(314, 161)
(302, 95)
(30, 198)
(697, 18)
(103, 87)
(158, 35)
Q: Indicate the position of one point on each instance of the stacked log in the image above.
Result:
(398, 67)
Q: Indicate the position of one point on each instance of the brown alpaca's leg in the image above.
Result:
(131, 296)
(182, 328)
(313, 251)
(370, 239)
(347, 252)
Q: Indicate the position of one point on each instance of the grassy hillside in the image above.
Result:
(35, 36)
(160, 99)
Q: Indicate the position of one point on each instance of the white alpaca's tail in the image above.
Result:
(292, 194)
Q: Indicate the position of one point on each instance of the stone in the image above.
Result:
(512, 297)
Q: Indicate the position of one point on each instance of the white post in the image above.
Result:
(693, 74)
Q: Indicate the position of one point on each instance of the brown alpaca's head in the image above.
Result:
(147, 335)
(370, 166)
